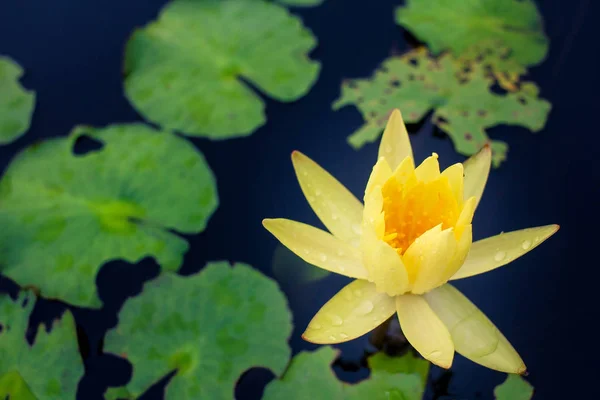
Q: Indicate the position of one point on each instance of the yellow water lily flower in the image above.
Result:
(410, 238)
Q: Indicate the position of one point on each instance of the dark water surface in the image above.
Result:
(545, 303)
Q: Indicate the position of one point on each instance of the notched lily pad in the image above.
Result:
(63, 215)
(459, 93)
(514, 388)
(16, 103)
(187, 70)
(209, 328)
(310, 376)
(515, 23)
(47, 370)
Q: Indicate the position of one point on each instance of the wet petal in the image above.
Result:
(429, 170)
(477, 169)
(428, 257)
(424, 330)
(499, 250)
(454, 173)
(355, 310)
(381, 173)
(395, 144)
(335, 206)
(466, 216)
(318, 247)
(473, 334)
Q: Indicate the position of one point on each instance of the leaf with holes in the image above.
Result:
(514, 388)
(405, 364)
(209, 328)
(515, 23)
(16, 103)
(310, 376)
(460, 95)
(63, 215)
(50, 368)
(187, 70)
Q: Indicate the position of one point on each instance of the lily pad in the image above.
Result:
(405, 364)
(209, 328)
(63, 215)
(188, 71)
(16, 103)
(47, 370)
(447, 24)
(459, 94)
(310, 376)
(514, 388)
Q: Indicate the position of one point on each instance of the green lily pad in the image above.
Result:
(447, 24)
(459, 94)
(49, 369)
(514, 388)
(288, 268)
(405, 364)
(210, 328)
(187, 70)
(310, 376)
(16, 103)
(64, 215)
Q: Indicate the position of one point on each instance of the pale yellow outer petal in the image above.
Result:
(473, 334)
(499, 250)
(466, 216)
(318, 247)
(335, 206)
(477, 169)
(454, 173)
(355, 310)
(395, 144)
(381, 173)
(462, 251)
(424, 330)
(428, 258)
(429, 169)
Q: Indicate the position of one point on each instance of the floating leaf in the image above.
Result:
(63, 215)
(310, 376)
(49, 369)
(515, 23)
(16, 103)
(301, 3)
(210, 328)
(289, 268)
(186, 71)
(514, 388)
(405, 364)
(463, 104)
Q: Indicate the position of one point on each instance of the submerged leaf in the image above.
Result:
(405, 364)
(187, 70)
(462, 100)
(209, 328)
(310, 376)
(63, 215)
(49, 369)
(16, 103)
(515, 23)
(514, 388)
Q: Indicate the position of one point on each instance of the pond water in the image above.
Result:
(545, 302)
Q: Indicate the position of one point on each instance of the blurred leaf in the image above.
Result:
(301, 3)
(405, 364)
(514, 388)
(64, 215)
(288, 268)
(186, 71)
(210, 328)
(51, 368)
(310, 376)
(16, 103)
(516, 23)
(459, 93)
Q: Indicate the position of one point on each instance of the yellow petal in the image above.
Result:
(395, 144)
(499, 250)
(318, 247)
(372, 212)
(405, 171)
(335, 206)
(473, 334)
(355, 310)
(477, 169)
(466, 216)
(424, 330)
(429, 170)
(381, 173)
(454, 173)
(428, 257)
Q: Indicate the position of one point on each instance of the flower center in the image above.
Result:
(412, 208)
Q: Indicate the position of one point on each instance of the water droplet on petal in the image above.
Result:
(435, 354)
(340, 252)
(526, 244)
(310, 198)
(336, 320)
(304, 173)
(341, 268)
(357, 229)
(344, 336)
(358, 293)
(334, 217)
(500, 256)
(317, 192)
(365, 307)
(537, 239)
(332, 337)
(323, 257)
(388, 148)
(314, 325)
(306, 251)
